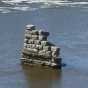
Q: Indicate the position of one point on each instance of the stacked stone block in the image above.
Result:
(37, 49)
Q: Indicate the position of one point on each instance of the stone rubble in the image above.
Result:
(37, 49)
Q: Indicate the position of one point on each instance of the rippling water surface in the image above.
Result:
(66, 20)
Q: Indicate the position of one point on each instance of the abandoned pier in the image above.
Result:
(38, 50)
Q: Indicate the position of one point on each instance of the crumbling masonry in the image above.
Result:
(38, 50)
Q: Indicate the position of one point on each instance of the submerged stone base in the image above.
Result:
(32, 61)
(38, 50)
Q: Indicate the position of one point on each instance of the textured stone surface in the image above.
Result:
(36, 44)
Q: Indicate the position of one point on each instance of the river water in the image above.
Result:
(67, 22)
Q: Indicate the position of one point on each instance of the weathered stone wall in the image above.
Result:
(37, 45)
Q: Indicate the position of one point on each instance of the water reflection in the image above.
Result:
(40, 77)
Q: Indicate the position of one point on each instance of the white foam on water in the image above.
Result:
(31, 1)
(21, 8)
(24, 8)
(44, 1)
(13, 1)
(24, 5)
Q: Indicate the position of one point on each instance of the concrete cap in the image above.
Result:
(30, 27)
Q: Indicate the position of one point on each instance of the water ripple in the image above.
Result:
(7, 6)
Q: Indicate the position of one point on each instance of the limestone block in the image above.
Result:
(34, 32)
(34, 37)
(30, 51)
(29, 46)
(44, 43)
(31, 41)
(42, 53)
(48, 54)
(28, 36)
(55, 54)
(33, 46)
(27, 31)
(25, 40)
(55, 51)
(30, 27)
(45, 53)
(47, 48)
(53, 64)
(37, 42)
(33, 50)
(54, 48)
(39, 47)
(41, 37)
(25, 45)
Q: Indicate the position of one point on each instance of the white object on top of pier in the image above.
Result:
(30, 27)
